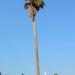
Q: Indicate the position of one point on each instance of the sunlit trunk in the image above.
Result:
(36, 47)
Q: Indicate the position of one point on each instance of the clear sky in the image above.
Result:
(56, 38)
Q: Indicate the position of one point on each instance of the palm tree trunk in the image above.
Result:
(36, 47)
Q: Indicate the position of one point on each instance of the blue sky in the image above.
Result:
(56, 38)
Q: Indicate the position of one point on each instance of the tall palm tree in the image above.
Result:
(34, 6)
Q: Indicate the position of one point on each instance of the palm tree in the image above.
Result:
(34, 6)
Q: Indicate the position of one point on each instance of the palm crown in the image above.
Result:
(34, 5)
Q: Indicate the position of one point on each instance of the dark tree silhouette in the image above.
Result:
(0, 73)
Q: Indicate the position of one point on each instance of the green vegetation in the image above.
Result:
(34, 5)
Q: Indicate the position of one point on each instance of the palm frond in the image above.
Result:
(34, 6)
(27, 5)
(36, 3)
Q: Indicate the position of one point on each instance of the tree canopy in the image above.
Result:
(35, 5)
